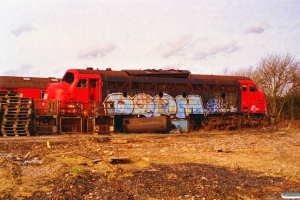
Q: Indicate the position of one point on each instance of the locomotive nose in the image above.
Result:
(56, 92)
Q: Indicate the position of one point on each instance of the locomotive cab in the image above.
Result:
(253, 100)
(75, 86)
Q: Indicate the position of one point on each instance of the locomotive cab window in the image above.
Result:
(252, 88)
(244, 88)
(68, 77)
(81, 83)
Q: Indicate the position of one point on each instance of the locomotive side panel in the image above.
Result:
(217, 95)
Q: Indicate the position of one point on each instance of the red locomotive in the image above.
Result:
(107, 101)
(154, 100)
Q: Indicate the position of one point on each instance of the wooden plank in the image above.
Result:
(17, 121)
(7, 94)
(8, 107)
(14, 126)
(15, 133)
(12, 101)
(16, 115)
(17, 111)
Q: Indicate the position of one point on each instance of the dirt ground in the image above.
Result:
(245, 164)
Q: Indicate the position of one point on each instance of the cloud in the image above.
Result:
(296, 26)
(21, 71)
(177, 46)
(226, 48)
(257, 28)
(22, 29)
(192, 48)
(93, 52)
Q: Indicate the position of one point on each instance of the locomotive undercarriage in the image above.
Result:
(234, 121)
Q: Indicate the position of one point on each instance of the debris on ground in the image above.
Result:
(203, 165)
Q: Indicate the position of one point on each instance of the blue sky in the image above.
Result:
(45, 38)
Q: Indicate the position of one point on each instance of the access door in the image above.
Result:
(94, 90)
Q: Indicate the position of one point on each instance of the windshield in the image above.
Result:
(68, 78)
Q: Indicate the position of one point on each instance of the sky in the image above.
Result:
(45, 38)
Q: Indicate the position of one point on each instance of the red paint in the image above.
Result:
(253, 100)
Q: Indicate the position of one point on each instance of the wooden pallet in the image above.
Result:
(18, 101)
(15, 114)
(17, 111)
(16, 133)
(14, 122)
(16, 106)
(3, 102)
(15, 127)
(6, 94)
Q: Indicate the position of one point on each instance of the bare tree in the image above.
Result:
(277, 76)
(225, 71)
(293, 96)
(248, 72)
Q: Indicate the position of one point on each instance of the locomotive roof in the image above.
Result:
(172, 73)
(107, 72)
(218, 77)
(25, 82)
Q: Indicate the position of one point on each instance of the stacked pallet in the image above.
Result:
(16, 113)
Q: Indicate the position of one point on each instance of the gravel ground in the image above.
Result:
(248, 164)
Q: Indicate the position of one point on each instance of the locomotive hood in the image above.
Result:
(57, 91)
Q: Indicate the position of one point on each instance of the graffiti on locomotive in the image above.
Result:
(163, 104)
